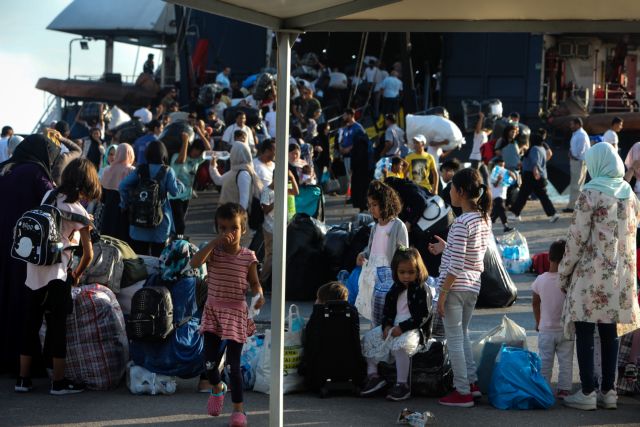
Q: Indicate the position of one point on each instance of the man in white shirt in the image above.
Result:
(240, 124)
(263, 164)
(223, 78)
(579, 145)
(611, 136)
(5, 136)
(391, 90)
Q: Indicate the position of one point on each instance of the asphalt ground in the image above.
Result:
(188, 408)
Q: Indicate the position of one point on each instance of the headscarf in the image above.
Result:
(607, 172)
(175, 261)
(632, 156)
(105, 157)
(120, 168)
(241, 160)
(36, 149)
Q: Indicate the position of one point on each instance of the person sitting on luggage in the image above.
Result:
(231, 270)
(49, 286)
(399, 168)
(548, 302)
(406, 310)
(388, 234)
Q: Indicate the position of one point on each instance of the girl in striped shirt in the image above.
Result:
(231, 269)
(459, 281)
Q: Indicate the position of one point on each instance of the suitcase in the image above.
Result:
(332, 357)
(97, 345)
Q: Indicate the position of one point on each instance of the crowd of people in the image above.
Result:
(101, 182)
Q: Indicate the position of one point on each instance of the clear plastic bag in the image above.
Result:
(515, 252)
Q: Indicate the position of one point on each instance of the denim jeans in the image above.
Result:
(458, 310)
(609, 354)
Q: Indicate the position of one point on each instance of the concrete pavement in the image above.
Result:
(187, 408)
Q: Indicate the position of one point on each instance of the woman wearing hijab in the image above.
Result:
(93, 148)
(598, 274)
(24, 180)
(108, 158)
(114, 221)
(240, 184)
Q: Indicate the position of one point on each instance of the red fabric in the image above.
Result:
(540, 263)
(638, 269)
(199, 60)
(487, 151)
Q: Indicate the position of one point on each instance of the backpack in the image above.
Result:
(151, 317)
(106, 266)
(147, 198)
(134, 269)
(37, 235)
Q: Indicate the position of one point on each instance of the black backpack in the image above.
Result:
(151, 317)
(147, 198)
(37, 235)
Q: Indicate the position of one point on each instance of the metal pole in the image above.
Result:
(69, 66)
(285, 40)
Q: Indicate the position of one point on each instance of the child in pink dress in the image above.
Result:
(231, 269)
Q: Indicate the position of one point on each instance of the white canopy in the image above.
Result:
(289, 17)
(430, 15)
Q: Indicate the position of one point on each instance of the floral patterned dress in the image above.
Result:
(598, 271)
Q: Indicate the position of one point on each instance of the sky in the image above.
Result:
(29, 51)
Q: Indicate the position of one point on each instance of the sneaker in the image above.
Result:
(561, 394)
(373, 384)
(578, 400)
(238, 419)
(631, 372)
(23, 385)
(399, 392)
(567, 210)
(65, 386)
(456, 399)
(554, 218)
(513, 217)
(475, 391)
(608, 400)
(216, 402)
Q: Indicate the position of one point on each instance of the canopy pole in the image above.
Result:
(285, 41)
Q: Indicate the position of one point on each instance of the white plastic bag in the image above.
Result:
(486, 349)
(118, 117)
(292, 381)
(143, 381)
(435, 129)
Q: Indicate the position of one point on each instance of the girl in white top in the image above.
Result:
(49, 286)
(388, 234)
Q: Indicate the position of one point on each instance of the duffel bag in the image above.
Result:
(106, 266)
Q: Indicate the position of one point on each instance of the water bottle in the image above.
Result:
(507, 179)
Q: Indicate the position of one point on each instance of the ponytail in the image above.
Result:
(470, 182)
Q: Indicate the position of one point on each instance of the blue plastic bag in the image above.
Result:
(517, 383)
(352, 284)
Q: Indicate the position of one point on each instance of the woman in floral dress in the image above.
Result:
(598, 274)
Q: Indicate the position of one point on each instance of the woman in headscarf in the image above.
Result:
(114, 222)
(598, 274)
(24, 180)
(108, 158)
(240, 184)
(93, 147)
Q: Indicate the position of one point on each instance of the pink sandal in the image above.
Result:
(216, 402)
(238, 419)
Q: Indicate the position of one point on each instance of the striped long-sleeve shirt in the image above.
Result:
(463, 255)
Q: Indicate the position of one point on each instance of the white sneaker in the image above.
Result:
(554, 218)
(609, 400)
(512, 217)
(579, 401)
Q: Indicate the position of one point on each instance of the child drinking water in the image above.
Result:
(459, 281)
(231, 269)
(49, 286)
(406, 311)
(388, 234)
(548, 301)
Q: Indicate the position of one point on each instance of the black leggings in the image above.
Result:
(498, 211)
(179, 212)
(608, 353)
(147, 248)
(213, 355)
(53, 303)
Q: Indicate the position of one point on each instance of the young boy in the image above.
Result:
(548, 301)
(398, 168)
(499, 193)
(422, 167)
